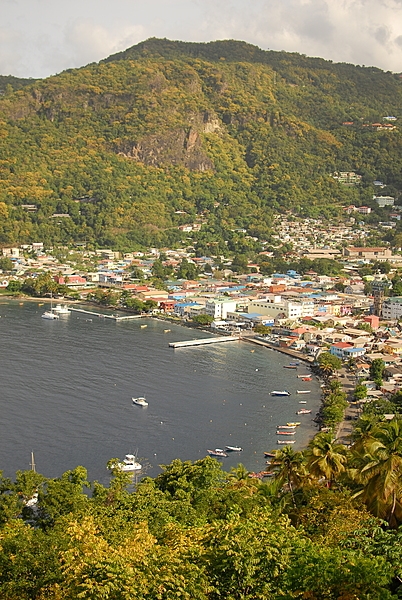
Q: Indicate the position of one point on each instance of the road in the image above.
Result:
(352, 412)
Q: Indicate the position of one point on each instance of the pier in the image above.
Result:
(203, 341)
(103, 316)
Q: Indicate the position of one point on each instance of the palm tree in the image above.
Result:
(326, 458)
(377, 468)
(289, 467)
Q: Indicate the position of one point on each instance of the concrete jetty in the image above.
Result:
(203, 341)
(104, 316)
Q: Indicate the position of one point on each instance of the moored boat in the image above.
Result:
(51, 316)
(286, 442)
(129, 464)
(307, 379)
(287, 432)
(289, 367)
(302, 401)
(61, 310)
(233, 449)
(293, 424)
(271, 454)
(288, 426)
(303, 411)
(280, 393)
(141, 401)
(303, 391)
(217, 452)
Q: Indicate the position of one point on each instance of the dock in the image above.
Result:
(104, 316)
(203, 341)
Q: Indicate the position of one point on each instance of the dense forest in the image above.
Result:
(323, 527)
(123, 152)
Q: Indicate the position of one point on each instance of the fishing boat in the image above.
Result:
(280, 393)
(217, 452)
(303, 411)
(129, 464)
(285, 442)
(61, 310)
(285, 433)
(233, 449)
(303, 391)
(141, 401)
(293, 424)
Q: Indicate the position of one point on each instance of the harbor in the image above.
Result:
(203, 397)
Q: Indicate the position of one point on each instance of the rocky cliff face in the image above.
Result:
(178, 146)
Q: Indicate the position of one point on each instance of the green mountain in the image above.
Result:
(167, 133)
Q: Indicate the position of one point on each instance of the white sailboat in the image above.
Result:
(49, 314)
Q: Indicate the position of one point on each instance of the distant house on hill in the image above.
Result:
(375, 253)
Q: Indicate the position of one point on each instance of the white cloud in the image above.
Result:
(41, 37)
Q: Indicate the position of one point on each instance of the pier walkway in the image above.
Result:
(203, 341)
(103, 316)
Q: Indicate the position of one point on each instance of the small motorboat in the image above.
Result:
(269, 454)
(288, 426)
(217, 452)
(294, 424)
(302, 401)
(129, 464)
(304, 391)
(307, 378)
(280, 393)
(285, 442)
(285, 433)
(166, 330)
(289, 367)
(303, 411)
(51, 316)
(61, 309)
(143, 326)
(141, 401)
(233, 449)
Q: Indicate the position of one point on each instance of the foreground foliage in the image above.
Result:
(196, 532)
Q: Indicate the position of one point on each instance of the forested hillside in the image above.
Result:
(122, 152)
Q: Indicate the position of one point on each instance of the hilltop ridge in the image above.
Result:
(168, 133)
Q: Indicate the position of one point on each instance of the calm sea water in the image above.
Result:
(66, 389)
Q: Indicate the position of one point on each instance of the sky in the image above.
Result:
(39, 38)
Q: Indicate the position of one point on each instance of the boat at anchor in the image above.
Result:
(280, 393)
(141, 401)
(217, 452)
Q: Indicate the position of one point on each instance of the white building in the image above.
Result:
(384, 200)
(277, 306)
(392, 308)
(219, 308)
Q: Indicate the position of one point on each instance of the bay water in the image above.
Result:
(66, 389)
